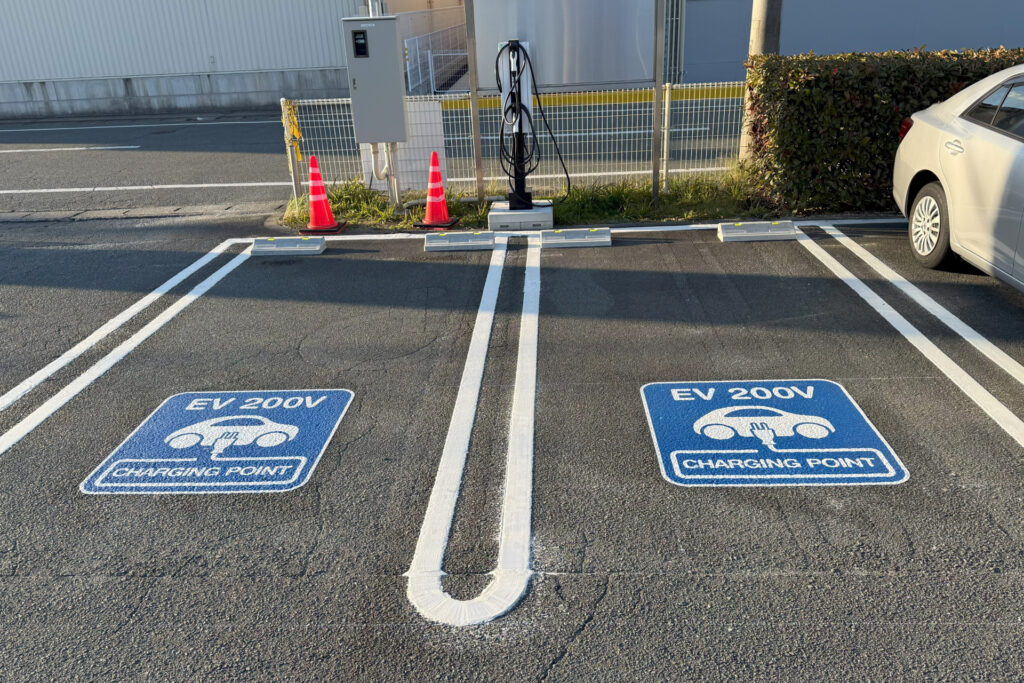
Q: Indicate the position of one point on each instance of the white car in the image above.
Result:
(725, 423)
(959, 177)
(242, 430)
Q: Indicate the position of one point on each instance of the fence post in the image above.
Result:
(292, 135)
(430, 63)
(659, 81)
(667, 126)
(293, 167)
(474, 100)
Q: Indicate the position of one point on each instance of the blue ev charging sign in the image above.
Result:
(766, 433)
(225, 442)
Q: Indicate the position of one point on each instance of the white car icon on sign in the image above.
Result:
(725, 423)
(241, 430)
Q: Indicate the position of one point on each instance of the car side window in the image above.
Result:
(1010, 116)
(983, 111)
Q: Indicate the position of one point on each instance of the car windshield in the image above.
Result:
(239, 422)
(755, 412)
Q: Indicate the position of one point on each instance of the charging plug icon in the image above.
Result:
(762, 431)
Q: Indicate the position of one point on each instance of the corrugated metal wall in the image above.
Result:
(42, 40)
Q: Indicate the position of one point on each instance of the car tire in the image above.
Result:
(718, 432)
(271, 439)
(928, 232)
(809, 430)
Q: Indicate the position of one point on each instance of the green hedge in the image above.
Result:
(824, 129)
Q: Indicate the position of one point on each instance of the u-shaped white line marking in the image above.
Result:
(511, 575)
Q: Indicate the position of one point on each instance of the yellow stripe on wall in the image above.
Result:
(606, 97)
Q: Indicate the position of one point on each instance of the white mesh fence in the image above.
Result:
(425, 74)
(604, 137)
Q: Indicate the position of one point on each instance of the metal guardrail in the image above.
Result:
(604, 137)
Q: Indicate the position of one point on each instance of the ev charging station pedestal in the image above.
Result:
(515, 94)
(501, 217)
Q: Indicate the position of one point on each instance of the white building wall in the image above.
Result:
(43, 40)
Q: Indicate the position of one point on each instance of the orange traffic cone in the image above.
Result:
(321, 220)
(437, 207)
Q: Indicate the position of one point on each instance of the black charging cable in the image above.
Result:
(513, 113)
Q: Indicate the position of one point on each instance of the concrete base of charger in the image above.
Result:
(501, 217)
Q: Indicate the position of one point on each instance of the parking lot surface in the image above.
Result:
(633, 577)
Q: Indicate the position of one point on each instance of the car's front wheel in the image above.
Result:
(271, 439)
(929, 227)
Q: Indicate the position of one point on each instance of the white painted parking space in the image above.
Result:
(34, 150)
(140, 188)
(177, 124)
(109, 327)
(511, 575)
(58, 400)
(969, 334)
(994, 408)
(807, 432)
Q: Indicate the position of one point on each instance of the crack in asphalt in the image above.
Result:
(578, 632)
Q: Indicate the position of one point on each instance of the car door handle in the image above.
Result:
(954, 147)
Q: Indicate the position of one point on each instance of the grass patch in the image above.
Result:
(684, 199)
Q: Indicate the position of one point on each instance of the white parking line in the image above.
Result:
(124, 188)
(143, 125)
(107, 328)
(969, 334)
(1002, 415)
(58, 400)
(511, 575)
(65, 149)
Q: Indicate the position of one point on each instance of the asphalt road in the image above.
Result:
(116, 152)
(53, 165)
(635, 578)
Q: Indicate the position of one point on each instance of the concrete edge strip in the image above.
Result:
(512, 573)
(107, 328)
(58, 400)
(968, 333)
(1002, 415)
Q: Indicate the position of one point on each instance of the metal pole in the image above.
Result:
(293, 166)
(394, 189)
(765, 38)
(292, 134)
(474, 101)
(659, 82)
(682, 40)
(667, 125)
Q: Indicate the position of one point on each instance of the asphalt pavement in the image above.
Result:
(634, 578)
(52, 157)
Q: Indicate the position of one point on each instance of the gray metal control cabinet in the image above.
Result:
(376, 78)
